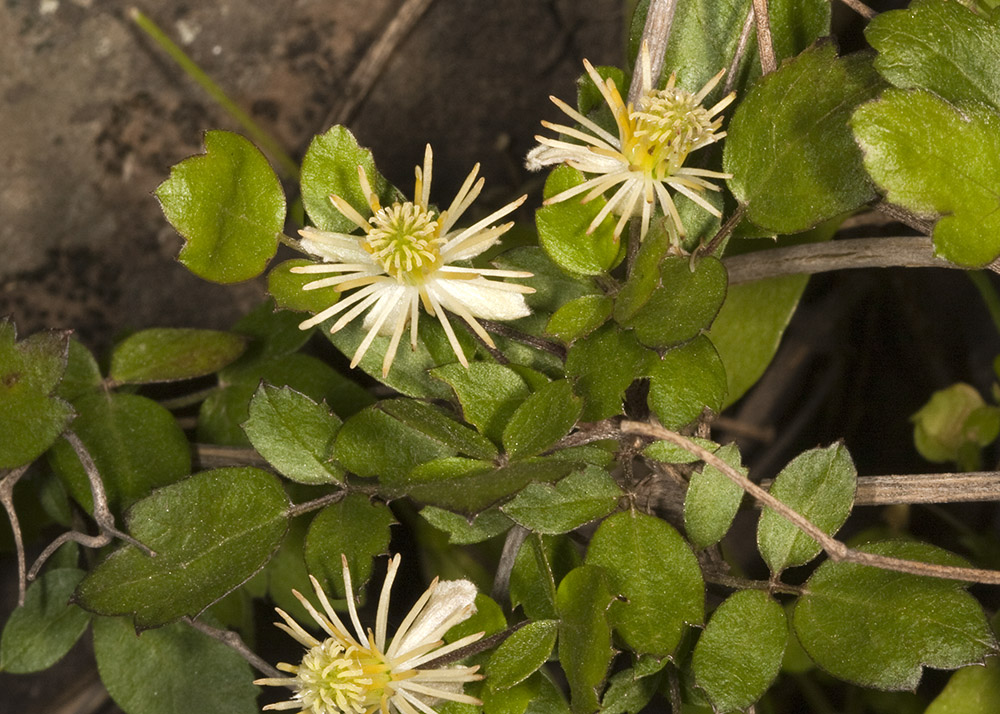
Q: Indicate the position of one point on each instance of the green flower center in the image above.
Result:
(332, 679)
(405, 241)
(668, 125)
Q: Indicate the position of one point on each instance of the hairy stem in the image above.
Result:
(7, 483)
(231, 639)
(765, 46)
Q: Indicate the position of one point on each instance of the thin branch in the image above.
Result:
(230, 638)
(314, 505)
(362, 79)
(894, 252)
(511, 545)
(655, 36)
(728, 227)
(900, 214)
(741, 50)
(834, 548)
(731, 581)
(539, 343)
(860, 8)
(212, 456)
(765, 46)
(7, 498)
(927, 488)
(482, 645)
(587, 434)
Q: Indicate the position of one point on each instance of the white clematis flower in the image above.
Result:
(646, 158)
(405, 257)
(357, 673)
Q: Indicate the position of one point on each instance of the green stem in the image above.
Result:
(263, 138)
(989, 294)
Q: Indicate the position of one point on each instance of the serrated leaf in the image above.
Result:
(355, 527)
(712, 500)
(579, 317)
(210, 533)
(46, 627)
(791, 153)
(652, 567)
(228, 205)
(287, 290)
(541, 420)
(936, 159)
(585, 651)
(879, 628)
(581, 497)
(373, 443)
(687, 379)
(940, 46)
(818, 484)
(739, 653)
(294, 434)
(489, 394)
(464, 531)
(521, 654)
(603, 389)
(169, 354)
(563, 228)
(30, 418)
(330, 166)
(441, 427)
(163, 671)
(971, 690)
(136, 445)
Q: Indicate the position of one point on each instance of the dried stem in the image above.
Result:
(314, 505)
(728, 227)
(765, 46)
(731, 581)
(836, 550)
(655, 36)
(213, 456)
(927, 488)
(741, 50)
(860, 8)
(539, 343)
(487, 643)
(230, 638)
(7, 483)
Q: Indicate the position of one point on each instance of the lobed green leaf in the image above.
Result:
(489, 394)
(541, 420)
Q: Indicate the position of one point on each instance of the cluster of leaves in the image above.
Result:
(530, 446)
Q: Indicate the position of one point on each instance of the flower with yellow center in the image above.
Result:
(646, 158)
(356, 673)
(404, 258)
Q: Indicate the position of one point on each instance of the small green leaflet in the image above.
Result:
(170, 354)
(521, 654)
(581, 497)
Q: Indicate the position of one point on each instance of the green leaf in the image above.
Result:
(943, 47)
(602, 388)
(579, 317)
(819, 484)
(971, 690)
(687, 379)
(628, 692)
(82, 374)
(683, 303)
(541, 562)
(792, 156)
(354, 527)
(652, 567)
(136, 445)
(488, 619)
(228, 205)
(535, 695)
(954, 420)
(553, 286)
(273, 333)
(287, 288)
(489, 394)
(712, 500)
(935, 159)
(169, 354)
(739, 653)
(671, 454)
(39, 633)
(563, 228)
(521, 654)
(879, 628)
(210, 533)
(541, 420)
(164, 671)
(585, 651)
(294, 434)
(441, 427)
(464, 531)
(373, 443)
(30, 418)
(581, 497)
(330, 166)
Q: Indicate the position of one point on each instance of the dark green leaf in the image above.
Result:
(541, 420)
(286, 571)
(273, 333)
(541, 562)
(585, 651)
(579, 317)
(563, 228)
(652, 567)
(287, 290)
(935, 159)
(136, 445)
(169, 354)
(82, 374)
(489, 394)
(488, 618)
(438, 425)
(818, 484)
(739, 653)
(30, 419)
(228, 205)
(521, 654)
(971, 690)
(879, 628)
(603, 388)
(535, 695)
(210, 533)
(553, 286)
(687, 379)
(791, 153)
(373, 443)
(628, 692)
(670, 454)
(294, 434)
(712, 500)
(940, 46)
(165, 671)
(330, 166)
(41, 631)
(463, 531)
(580, 498)
(354, 527)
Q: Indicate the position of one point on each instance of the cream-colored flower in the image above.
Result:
(646, 158)
(405, 258)
(356, 673)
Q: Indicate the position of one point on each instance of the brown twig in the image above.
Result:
(836, 550)
(482, 645)
(212, 456)
(655, 36)
(765, 46)
(7, 483)
(539, 343)
(928, 488)
(231, 639)
(860, 8)
(728, 227)
(315, 504)
(731, 581)
(741, 49)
